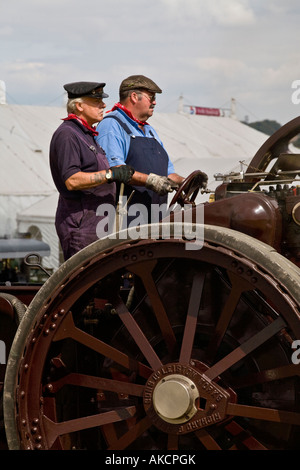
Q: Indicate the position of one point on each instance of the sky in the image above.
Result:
(207, 51)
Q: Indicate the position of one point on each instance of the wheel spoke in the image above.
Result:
(266, 414)
(238, 286)
(54, 430)
(207, 440)
(131, 435)
(172, 443)
(144, 272)
(69, 330)
(137, 334)
(191, 320)
(269, 375)
(246, 348)
(89, 381)
(244, 437)
(109, 433)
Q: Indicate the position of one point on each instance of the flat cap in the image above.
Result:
(139, 81)
(90, 89)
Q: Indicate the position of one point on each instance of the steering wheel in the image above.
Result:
(187, 191)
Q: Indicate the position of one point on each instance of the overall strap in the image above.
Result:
(125, 127)
(122, 124)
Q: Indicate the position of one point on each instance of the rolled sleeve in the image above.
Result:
(171, 168)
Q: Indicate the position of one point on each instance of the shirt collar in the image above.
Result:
(82, 121)
(129, 113)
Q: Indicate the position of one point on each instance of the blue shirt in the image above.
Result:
(116, 141)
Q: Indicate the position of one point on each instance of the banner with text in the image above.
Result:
(205, 111)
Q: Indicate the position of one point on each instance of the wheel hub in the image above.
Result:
(180, 399)
(174, 398)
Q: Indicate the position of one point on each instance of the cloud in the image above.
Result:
(223, 12)
(230, 13)
(26, 67)
(208, 50)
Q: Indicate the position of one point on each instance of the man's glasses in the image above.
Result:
(151, 98)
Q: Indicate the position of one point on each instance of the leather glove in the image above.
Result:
(160, 184)
(122, 174)
(200, 181)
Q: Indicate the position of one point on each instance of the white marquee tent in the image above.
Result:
(28, 197)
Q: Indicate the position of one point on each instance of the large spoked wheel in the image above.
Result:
(196, 353)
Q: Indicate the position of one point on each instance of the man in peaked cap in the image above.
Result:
(87, 89)
(80, 169)
(127, 137)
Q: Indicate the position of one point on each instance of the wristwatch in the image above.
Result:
(108, 176)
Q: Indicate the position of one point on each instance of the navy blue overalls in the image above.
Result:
(146, 155)
(76, 219)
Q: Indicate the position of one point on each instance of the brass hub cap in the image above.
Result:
(174, 398)
(180, 399)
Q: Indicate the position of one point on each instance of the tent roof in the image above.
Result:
(188, 135)
(193, 142)
(41, 211)
(25, 133)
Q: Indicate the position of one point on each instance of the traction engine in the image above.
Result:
(166, 343)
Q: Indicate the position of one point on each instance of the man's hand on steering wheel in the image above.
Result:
(160, 184)
(199, 181)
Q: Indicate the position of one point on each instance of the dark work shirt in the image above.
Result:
(73, 149)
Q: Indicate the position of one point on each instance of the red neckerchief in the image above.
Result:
(82, 121)
(129, 114)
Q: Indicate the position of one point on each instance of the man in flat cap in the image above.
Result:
(127, 137)
(80, 169)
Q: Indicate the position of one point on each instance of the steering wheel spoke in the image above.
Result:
(188, 190)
